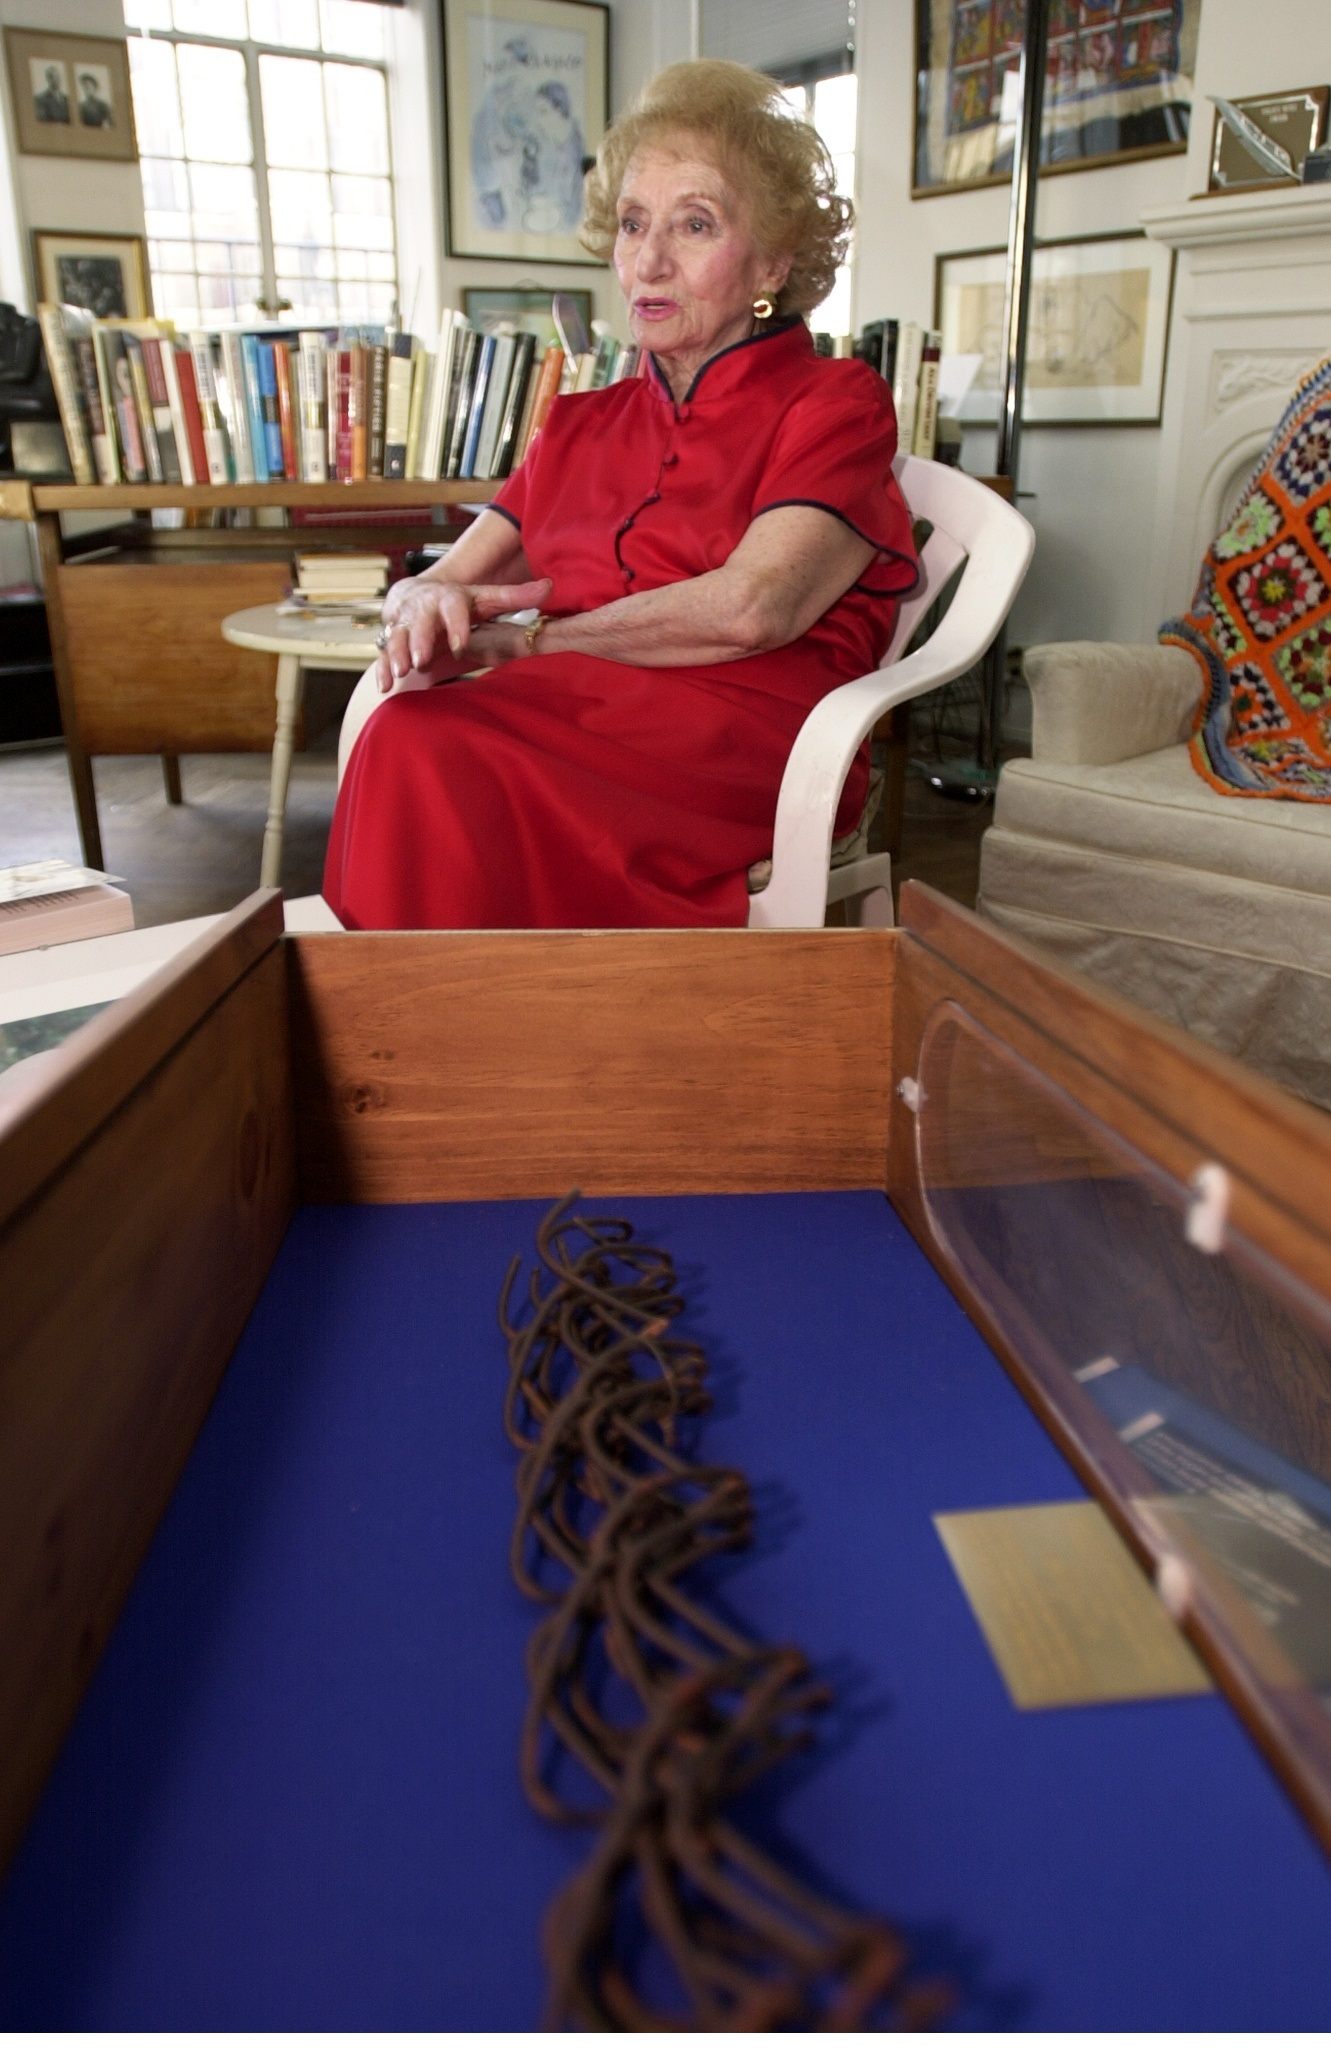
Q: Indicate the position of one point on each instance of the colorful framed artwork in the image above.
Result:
(70, 95)
(106, 274)
(526, 104)
(1118, 85)
(525, 307)
(1098, 333)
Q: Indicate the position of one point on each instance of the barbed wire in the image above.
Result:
(649, 1714)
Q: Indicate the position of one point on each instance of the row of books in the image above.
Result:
(140, 404)
(472, 404)
(907, 357)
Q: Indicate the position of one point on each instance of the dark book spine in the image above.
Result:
(159, 399)
(869, 344)
(378, 382)
(460, 404)
(515, 405)
(484, 365)
(344, 410)
(126, 411)
(888, 365)
(85, 363)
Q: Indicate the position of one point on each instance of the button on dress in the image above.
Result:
(565, 790)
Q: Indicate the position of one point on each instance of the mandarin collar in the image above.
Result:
(780, 342)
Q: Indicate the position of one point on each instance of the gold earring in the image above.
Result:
(763, 308)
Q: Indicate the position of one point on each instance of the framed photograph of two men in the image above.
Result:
(525, 87)
(1118, 84)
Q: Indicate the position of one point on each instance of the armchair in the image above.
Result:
(1112, 854)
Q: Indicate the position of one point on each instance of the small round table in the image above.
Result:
(298, 639)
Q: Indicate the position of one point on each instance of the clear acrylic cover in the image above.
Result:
(1187, 1374)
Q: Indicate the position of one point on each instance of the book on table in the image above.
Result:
(52, 902)
(348, 584)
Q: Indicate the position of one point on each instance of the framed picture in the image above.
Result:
(1099, 326)
(107, 274)
(70, 94)
(526, 307)
(1118, 85)
(525, 98)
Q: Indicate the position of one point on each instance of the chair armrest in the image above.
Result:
(1095, 703)
(820, 761)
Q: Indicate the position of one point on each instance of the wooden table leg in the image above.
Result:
(171, 778)
(290, 686)
(50, 553)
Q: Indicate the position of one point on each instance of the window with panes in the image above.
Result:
(266, 160)
(827, 97)
(808, 46)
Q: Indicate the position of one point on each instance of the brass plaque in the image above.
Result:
(1069, 1617)
(1295, 122)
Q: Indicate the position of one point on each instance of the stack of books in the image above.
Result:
(906, 356)
(349, 585)
(141, 404)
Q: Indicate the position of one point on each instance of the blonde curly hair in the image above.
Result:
(778, 163)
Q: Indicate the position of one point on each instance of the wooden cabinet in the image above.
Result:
(153, 674)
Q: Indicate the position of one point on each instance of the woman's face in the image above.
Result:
(686, 258)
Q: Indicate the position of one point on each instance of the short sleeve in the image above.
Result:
(511, 498)
(834, 450)
(515, 497)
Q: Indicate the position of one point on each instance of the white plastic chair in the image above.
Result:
(971, 525)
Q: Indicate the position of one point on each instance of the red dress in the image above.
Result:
(564, 790)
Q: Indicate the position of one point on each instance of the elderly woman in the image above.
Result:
(713, 546)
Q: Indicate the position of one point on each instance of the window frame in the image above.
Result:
(271, 307)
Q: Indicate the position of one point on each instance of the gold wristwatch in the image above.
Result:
(532, 633)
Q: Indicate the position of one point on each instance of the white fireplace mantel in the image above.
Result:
(1242, 216)
(1252, 314)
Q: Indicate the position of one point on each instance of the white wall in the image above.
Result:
(1094, 503)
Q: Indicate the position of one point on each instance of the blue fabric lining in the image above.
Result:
(291, 1797)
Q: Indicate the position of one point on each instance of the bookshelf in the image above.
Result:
(135, 622)
(374, 494)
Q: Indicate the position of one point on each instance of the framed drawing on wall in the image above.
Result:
(106, 274)
(1118, 85)
(1099, 327)
(70, 95)
(525, 97)
(527, 307)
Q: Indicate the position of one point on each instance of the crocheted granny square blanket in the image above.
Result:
(1259, 626)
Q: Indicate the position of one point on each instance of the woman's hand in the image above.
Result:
(427, 620)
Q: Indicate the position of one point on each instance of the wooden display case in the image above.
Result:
(150, 1173)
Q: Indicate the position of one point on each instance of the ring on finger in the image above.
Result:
(381, 638)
